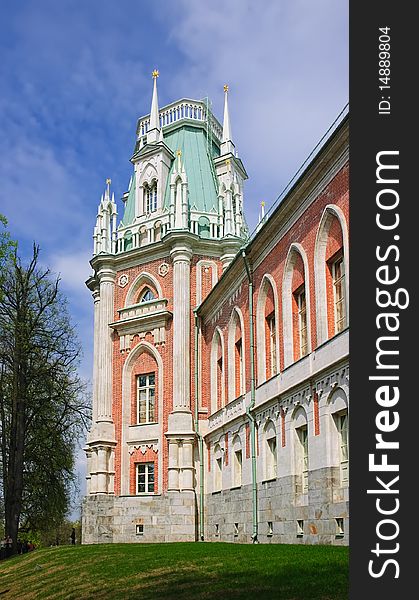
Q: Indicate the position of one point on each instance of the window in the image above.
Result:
(237, 468)
(139, 529)
(300, 296)
(270, 528)
(338, 277)
(300, 528)
(239, 368)
(217, 529)
(218, 471)
(236, 529)
(340, 527)
(270, 321)
(147, 295)
(145, 478)
(271, 462)
(342, 426)
(150, 194)
(303, 437)
(146, 398)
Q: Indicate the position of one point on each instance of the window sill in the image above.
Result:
(269, 480)
(235, 487)
(141, 424)
(216, 492)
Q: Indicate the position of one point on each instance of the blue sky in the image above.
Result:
(76, 74)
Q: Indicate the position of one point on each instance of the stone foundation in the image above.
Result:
(281, 503)
(164, 518)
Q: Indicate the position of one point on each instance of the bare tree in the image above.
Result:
(43, 405)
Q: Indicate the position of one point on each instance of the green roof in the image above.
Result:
(203, 193)
(192, 142)
(129, 212)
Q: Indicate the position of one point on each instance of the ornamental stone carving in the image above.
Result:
(163, 269)
(123, 280)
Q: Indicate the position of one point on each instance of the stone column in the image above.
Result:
(96, 300)
(181, 256)
(187, 465)
(93, 471)
(102, 470)
(173, 474)
(104, 366)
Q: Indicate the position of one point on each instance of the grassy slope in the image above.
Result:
(178, 571)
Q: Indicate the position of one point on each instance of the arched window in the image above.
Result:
(203, 227)
(144, 390)
(267, 330)
(237, 461)
(146, 295)
(128, 240)
(236, 372)
(150, 197)
(331, 273)
(296, 305)
(217, 372)
(301, 449)
(270, 446)
(340, 433)
(218, 468)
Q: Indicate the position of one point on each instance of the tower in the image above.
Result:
(182, 224)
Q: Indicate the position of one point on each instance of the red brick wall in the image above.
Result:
(146, 363)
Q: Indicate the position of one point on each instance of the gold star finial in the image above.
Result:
(225, 88)
(108, 181)
(179, 153)
(155, 73)
(263, 203)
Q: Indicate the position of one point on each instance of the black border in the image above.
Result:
(369, 134)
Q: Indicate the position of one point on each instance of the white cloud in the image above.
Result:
(287, 66)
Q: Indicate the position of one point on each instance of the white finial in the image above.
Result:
(154, 127)
(262, 204)
(227, 143)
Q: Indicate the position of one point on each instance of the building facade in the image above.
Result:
(220, 384)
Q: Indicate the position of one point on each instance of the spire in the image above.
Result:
(227, 143)
(154, 127)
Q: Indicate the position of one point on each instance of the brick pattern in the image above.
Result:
(304, 232)
(146, 363)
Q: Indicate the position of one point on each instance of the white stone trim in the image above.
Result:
(213, 371)
(126, 410)
(330, 211)
(143, 277)
(294, 249)
(231, 358)
(267, 280)
(214, 274)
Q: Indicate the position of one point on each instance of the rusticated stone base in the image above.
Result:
(164, 518)
(280, 505)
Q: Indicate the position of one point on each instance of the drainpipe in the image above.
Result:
(200, 438)
(252, 403)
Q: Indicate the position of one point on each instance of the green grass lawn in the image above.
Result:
(180, 571)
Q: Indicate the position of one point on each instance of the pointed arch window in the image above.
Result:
(337, 270)
(271, 325)
(300, 299)
(150, 197)
(147, 295)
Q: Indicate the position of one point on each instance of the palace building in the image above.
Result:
(221, 373)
